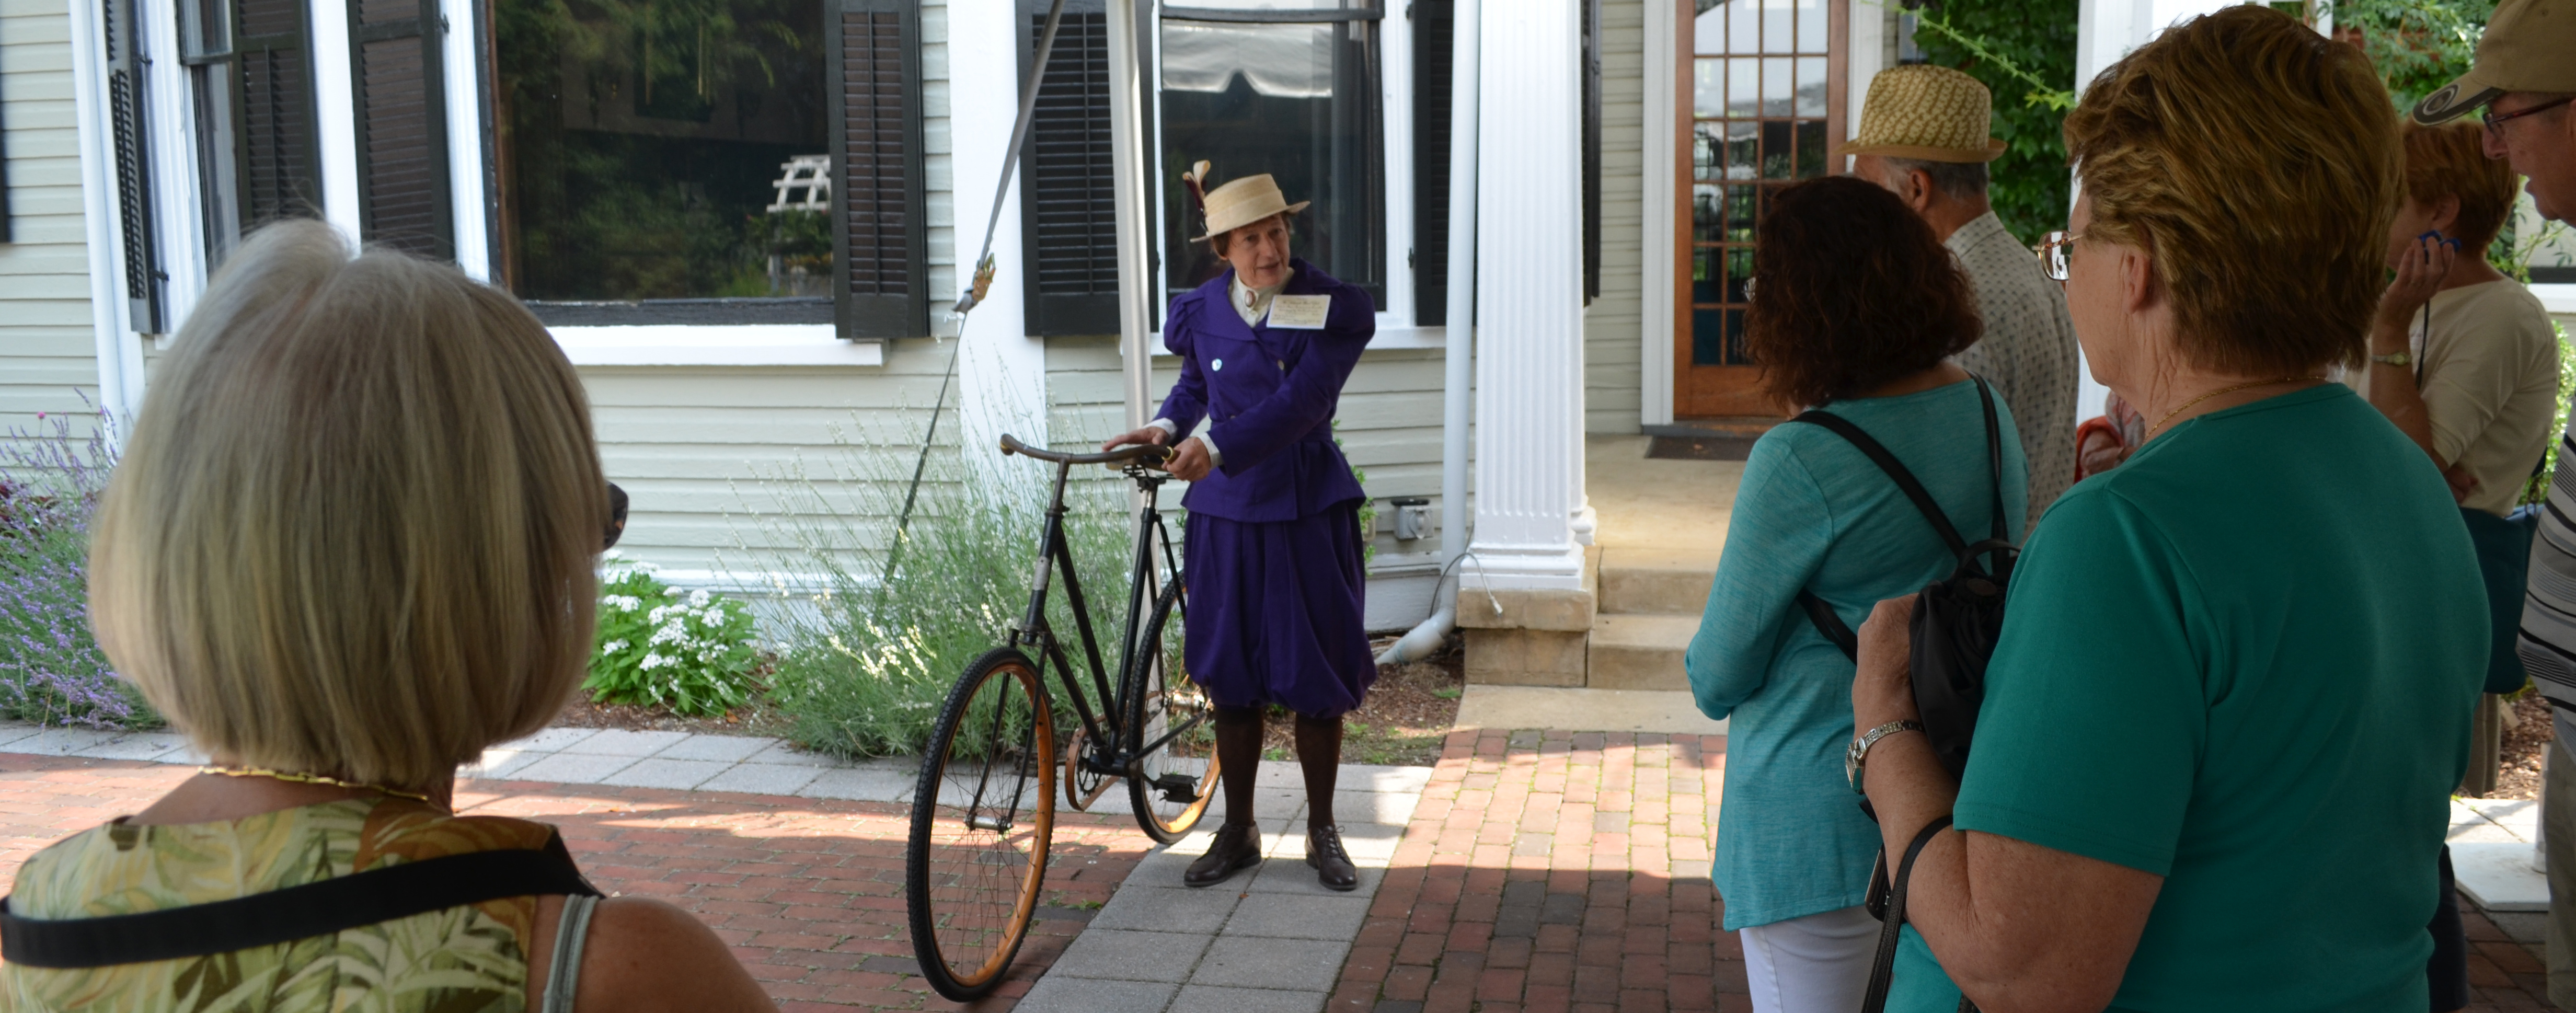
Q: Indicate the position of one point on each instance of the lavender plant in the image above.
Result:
(51, 669)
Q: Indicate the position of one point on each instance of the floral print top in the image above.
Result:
(470, 959)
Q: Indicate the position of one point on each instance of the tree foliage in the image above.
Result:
(2024, 52)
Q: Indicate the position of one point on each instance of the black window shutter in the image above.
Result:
(1591, 14)
(1068, 202)
(125, 63)
(883, 241)
(275, 160)
(1434, 65)
(394, 53)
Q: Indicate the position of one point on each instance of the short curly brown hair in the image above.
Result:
(1852, 291)
(2258, 163)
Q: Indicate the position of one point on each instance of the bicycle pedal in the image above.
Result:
(1181, 788)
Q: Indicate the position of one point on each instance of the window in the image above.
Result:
(1763, 99)
(1288, 88)
(657, 161)
(396, 66)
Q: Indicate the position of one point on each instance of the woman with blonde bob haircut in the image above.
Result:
(2232, 690)
(351, 544)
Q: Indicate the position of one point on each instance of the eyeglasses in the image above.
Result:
(616, 517)
(2052, 253)
(2495, 124)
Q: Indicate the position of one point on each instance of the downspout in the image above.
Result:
(1460, 348)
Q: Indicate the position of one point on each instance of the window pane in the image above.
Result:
(1706, 285)
(643, 140)
(1743, 88)
(1811, 149)
(1776, 161)
(1739, 270)
(1777, 26)
(1705, 226)
(1811, 26)
(1740, 151)
(1708, 88)
(1708, 28)
(1811, 86)
(1297, 101)
(1778, 93)
(1739, 213)
(1744, 26)
(1704, 152)
(1708, 337)
(1272, 5)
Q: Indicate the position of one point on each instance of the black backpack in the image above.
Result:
(1956, 621)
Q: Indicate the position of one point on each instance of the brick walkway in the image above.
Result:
(809, 892)
(1562, 871)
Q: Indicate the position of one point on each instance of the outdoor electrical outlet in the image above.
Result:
(1412, 517)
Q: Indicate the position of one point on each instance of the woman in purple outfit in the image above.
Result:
(1273, 537)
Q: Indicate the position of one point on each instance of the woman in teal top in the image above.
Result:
(2233, 688)
(1793, 850)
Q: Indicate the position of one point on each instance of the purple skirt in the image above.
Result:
(1274, 614)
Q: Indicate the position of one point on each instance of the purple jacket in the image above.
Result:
(1268, 397)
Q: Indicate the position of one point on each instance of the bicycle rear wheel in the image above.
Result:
(1170, 729)
(982, 816)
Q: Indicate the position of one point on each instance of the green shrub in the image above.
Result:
(51, 669)
(863, 666)
(689, 652)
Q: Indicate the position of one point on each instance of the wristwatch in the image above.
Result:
(1857, 757)
(2400, 360)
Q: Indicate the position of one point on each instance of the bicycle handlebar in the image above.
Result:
(1153, 453)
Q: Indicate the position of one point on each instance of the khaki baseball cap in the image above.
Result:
(2529, 45)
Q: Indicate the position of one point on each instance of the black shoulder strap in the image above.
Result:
(1896, 472)
(1829, 624)
(1882, 967)
(1994, 454)
(296, 912)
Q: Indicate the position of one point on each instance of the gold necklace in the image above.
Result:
(2186, 406)
(289, 776)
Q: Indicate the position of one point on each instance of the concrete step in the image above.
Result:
(1646, 581)
(1640, 651)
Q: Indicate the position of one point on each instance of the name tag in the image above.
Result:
(1300, 312)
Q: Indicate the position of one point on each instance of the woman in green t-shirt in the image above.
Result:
(2233, 688)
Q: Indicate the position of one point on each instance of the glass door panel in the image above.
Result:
(1762, 100)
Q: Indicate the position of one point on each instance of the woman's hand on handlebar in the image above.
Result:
(1150, 434)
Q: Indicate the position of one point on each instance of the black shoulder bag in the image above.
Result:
(296, 912)
(1956, 621)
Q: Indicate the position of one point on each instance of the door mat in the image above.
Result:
(1700, 448)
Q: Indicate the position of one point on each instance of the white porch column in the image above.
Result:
(1531, 521)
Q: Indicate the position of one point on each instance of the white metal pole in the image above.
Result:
(1127, 176)
(1457, 409)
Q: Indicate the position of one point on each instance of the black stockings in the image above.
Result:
(1238, 751)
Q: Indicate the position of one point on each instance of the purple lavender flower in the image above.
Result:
(51, 669)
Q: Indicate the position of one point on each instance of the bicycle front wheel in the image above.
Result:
(1170, 728)
(983, 813)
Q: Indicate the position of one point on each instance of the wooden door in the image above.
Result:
(1761, 103)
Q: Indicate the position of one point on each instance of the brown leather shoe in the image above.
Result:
(1237, 847)
(1332, 864)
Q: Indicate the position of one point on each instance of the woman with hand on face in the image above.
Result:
(2232, 691)
(1273, 540)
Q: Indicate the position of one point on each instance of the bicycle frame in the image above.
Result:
(1108, 755)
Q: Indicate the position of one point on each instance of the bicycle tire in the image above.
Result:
(1155, 702)
(971, 888)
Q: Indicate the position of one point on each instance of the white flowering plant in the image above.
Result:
(691, 652)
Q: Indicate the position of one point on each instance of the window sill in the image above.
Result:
(2559, 299)
(1387, 339)
(728, 345)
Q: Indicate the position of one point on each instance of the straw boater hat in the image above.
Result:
(1924, 112)
(1243, 202)
(2525, 48)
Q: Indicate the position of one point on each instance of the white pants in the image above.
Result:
(1815, 964)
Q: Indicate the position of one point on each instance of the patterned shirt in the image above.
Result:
(2028, 351)
(470, 959)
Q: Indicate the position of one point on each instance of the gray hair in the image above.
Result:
(1960, 180)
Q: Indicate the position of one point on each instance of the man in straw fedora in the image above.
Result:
(1923, 135)
(1273, 567)
(2525, 81)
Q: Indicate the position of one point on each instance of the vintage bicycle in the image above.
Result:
(983, 812)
